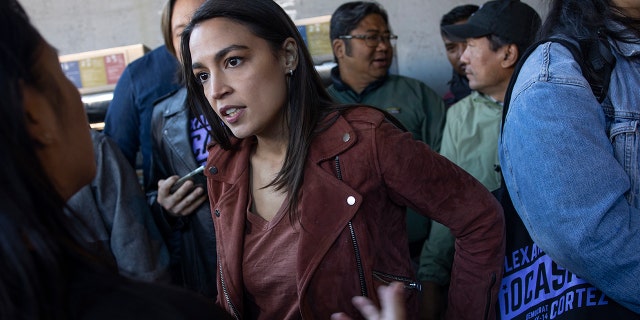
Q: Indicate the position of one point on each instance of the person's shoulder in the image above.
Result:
(404, 79)
(466, 102)
(158, 56)
(174, 99)
(409, 82)
(548, 60)
(456, 112)
(363, 113)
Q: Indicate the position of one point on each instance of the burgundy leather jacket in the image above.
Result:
(359, 175)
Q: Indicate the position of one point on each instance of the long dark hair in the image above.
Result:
(586, 19)
(308, 102)
(35, 234)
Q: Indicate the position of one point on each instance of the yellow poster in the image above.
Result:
(315, 32)
(92, 72)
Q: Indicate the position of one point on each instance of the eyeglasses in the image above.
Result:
(373, 40)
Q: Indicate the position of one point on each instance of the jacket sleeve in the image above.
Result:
(419, 178)
(436, 257)
(565, 182)
(137, 246)
(167, 224)
(122, 121)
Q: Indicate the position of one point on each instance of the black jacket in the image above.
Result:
(191, 239)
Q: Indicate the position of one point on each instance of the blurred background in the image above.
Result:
(75, 26)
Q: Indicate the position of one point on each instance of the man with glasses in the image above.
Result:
(363, 49)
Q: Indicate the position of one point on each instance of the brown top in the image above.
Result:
(269, 267)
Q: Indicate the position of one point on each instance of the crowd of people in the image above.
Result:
(515, 195)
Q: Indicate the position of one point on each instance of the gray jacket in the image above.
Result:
(119, 224)
(191, 239)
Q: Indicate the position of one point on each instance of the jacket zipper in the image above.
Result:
(354, 241)
(408, 283)
(487, 305)
(363, 285)
(226, 293)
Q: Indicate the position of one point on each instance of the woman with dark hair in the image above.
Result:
(47, 155)
(308, 197)
(570, 160)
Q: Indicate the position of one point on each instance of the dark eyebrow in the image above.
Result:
(220, 54)
(378, 31)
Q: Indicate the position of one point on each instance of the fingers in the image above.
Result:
(184, 201)
(164, 186)
(367, 308)
(193, 205)
(340, 316)
(392, 301)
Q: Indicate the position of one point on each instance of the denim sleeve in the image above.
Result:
(566, 184)
(122, 122)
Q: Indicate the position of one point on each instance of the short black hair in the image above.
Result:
(458, 13)
(348, 16)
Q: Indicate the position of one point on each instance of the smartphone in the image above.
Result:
(197, 176)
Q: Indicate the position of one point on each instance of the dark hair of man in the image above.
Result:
(308, 102)
(347, 17)
(583, 19)
(496, 42)
(35, 235)
(165, 25)
(457, 14)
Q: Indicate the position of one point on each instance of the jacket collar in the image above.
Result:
(328, 143)
(230, 164)
(176, 102)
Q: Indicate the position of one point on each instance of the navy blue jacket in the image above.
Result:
(128, 119)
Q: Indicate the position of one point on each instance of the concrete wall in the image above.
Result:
(82, 25)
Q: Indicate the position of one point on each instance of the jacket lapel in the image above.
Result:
(230, 181)
(324, 208)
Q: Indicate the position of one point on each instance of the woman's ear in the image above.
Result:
(39, 116)
(290, 57)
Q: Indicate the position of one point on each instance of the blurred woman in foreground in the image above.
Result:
(47, 155)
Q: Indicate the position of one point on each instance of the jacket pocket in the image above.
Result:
(386, 278)
(625, 139)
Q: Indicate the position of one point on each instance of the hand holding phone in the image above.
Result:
(193, 175)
